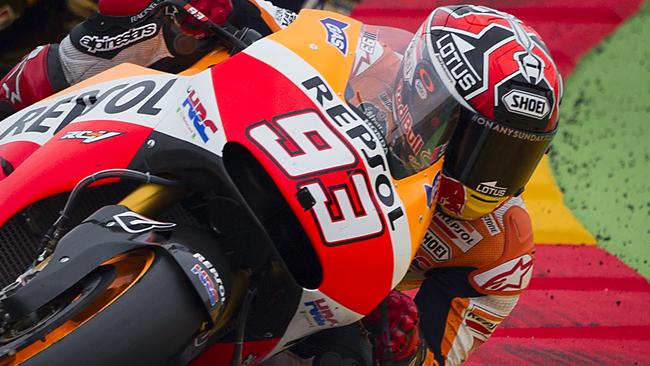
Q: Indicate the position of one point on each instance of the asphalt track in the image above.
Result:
(585, 306)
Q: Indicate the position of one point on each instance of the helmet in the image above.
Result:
(508, 88)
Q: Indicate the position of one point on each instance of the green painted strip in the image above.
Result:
(601, 157)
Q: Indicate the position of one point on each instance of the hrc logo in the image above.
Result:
(321, 312)
(198, 116)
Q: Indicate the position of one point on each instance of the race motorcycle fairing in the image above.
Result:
(278, 106)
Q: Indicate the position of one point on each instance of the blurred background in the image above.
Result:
(590, 200)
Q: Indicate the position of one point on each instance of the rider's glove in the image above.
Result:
(215, 10)
(402, 339)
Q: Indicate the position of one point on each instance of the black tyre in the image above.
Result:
(149, 323)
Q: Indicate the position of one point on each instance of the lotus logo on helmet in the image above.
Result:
(527, 104)
(452, 50)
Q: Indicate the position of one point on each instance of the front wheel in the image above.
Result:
(137, 309)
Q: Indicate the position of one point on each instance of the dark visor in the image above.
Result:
(491, 158)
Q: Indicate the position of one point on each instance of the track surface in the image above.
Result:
(584, 305)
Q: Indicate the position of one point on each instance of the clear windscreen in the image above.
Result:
(400, 92)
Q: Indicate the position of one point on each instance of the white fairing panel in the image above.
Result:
(182, 107)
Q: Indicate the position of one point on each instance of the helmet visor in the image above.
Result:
(424, 115)
(491, 158)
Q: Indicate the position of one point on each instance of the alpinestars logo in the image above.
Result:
(510, 276)
(94, 44)
(13, 92)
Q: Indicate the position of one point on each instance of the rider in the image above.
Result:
(474, 260)
(492, 75)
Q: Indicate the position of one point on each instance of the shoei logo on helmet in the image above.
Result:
(491, 189)
(96, 44)
(336, 35)
(527, 104)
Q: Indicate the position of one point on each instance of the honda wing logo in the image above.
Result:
(133, 223)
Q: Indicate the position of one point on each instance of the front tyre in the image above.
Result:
(146, 315)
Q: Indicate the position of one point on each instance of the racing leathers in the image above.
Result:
(103, 41)
(469, 273)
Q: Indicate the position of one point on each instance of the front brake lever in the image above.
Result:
(225, 34)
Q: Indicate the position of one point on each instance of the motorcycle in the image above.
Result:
(218, 216)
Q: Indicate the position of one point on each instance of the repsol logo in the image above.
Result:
(451, 50)
(463, 235)
(95, 44)
(141, 98)
(372, 146)
(527, 104)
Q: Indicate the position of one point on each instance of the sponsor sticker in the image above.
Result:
(94, 44)
(436, 247)
(491, 225)
(195, 113)
(207, 283)
(212, 282)
(462, 234)
(368, 52)
(451, 52)
(336, 35)
(284, 17)
(432, 190)
(481, 322)
(88, 137)
(527, 104)
(320, 312)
